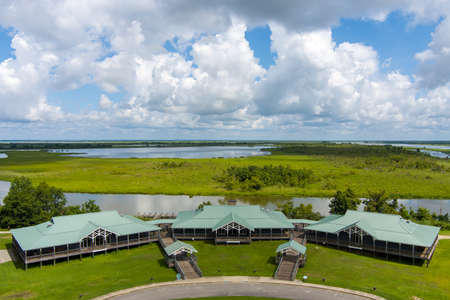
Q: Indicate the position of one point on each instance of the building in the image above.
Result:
(377, 233)
(66, 236)
(231, 224)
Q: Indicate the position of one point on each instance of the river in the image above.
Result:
(137, 204)
(168, 152)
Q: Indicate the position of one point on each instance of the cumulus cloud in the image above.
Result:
(214, 82)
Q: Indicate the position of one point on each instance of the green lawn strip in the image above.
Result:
(392, 280)
(88, 278)
(196, 176)
(5, 239)
(444, 232)
(106, 273)
(232, 297)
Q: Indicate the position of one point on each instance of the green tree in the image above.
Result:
(203, 204)
(300, 212)
(89, 207)
(422, 214)
(342, 201)
(380, 202)
(25, 205)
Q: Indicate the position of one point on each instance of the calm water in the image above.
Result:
(3, 155)
(423, 148)
(168, 152)
(145, 204)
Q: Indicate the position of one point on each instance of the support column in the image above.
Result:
(54, 253)
(80, 252)
(128, 241)
(399, 251)
(413, 254)
(316, 235)
(326, 237)
(40, 258)
(67, 252)
(270, 233)
(26, 265)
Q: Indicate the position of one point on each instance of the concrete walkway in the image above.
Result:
(4, 256)
(4, 232)
(443, 237)
(237, 286)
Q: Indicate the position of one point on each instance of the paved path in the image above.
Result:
(4, 232)
(237, 286)
(4, 256)
(443, 237)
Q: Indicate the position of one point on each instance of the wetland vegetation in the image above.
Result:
(401, 173)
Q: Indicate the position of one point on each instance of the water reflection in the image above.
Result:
(169, 204)
(168, 152)
(3, 155)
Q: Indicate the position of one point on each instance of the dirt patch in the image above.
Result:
(21, 295)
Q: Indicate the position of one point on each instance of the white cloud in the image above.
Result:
(314, 84)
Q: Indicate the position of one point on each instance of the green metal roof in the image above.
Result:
(302, 221)
(161, 221)
(251, 216)
(233, 218)
(72, 229)
(292, 245)
(177, 246)
(385, 227)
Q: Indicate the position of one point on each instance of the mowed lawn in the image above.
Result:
(5, 239)
(197, 176)
(106, 273)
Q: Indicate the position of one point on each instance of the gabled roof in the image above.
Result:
(179, 246)
(72, 229)
(233, 218)
(385, 227)
(299, 248)
(302, 221)
(161, 221)
(250, 216)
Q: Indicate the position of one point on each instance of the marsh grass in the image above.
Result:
(196, 176)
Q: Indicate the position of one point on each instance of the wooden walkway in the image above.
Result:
(186, 266)
(287, 268)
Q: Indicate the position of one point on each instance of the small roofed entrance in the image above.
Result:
(182, 257)
(232, 229)
(290, 256)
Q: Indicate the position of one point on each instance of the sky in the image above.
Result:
(225, 69)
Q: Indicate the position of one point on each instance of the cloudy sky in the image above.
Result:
(254, 69)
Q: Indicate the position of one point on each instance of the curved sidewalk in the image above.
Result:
(237, 286)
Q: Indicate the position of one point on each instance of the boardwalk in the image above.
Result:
(185, 265)
(288, 267)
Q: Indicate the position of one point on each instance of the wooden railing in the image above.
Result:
(369, 247)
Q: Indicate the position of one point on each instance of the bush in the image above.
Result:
(253, 178)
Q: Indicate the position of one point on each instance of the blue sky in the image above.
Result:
(396, 39)
(248, 78)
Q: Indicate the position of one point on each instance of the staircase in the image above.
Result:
(187, 269)
(287, 268)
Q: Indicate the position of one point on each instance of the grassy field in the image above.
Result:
(4, 240)
(87, 278)
(197, 176)
(106, 273)
(444, 232)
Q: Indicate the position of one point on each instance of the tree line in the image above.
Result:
(27, 205)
